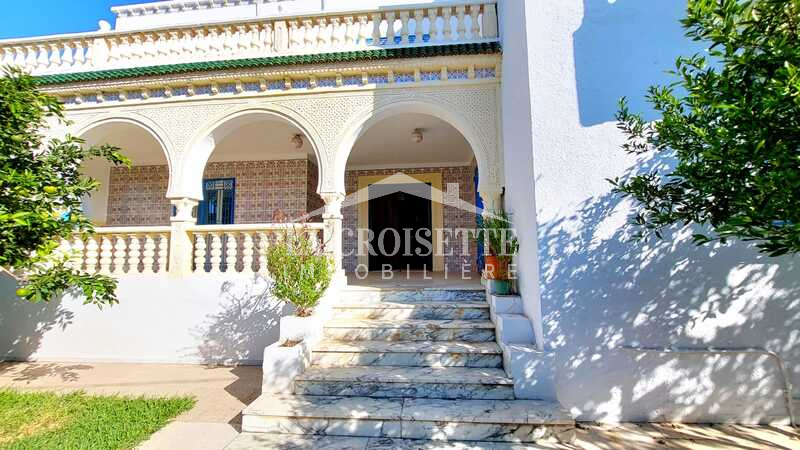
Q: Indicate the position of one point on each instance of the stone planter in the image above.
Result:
(299, 329)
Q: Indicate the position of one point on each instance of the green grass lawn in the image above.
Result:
(43, 421)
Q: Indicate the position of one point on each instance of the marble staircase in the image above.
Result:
(408, 364)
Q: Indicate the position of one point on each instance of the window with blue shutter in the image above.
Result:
(218, 202)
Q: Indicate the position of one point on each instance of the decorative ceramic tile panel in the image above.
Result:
(264, 191)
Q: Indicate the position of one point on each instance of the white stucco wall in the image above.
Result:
(600, 293)
(200, 319)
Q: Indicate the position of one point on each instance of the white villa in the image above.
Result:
(240, 116)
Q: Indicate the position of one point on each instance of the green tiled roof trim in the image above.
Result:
(251, 63)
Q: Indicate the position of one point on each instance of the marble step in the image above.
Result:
(434, 310)
(414, 294)
(407, 353)
(405, 418)
(413, 382)
(410, 330)
(267, 441)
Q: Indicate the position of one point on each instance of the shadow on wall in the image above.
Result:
(22, 338)
(621, 48)
(248, 322)
(603, 292)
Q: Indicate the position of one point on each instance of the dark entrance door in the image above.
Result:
(405, 213)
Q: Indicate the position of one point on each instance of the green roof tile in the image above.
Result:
(251, 63)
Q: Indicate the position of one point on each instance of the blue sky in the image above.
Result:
(35, 18)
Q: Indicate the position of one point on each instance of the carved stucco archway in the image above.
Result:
(479, 133)
(202, 145)
(81, 127)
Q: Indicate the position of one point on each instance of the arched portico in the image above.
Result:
(206, 140)
(485, 150)
(119, 200)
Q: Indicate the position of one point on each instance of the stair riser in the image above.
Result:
(421, 313)
(437, 431)
(322, 426)
(342, 359)
(418, 296)
(405, 390)
(411, 334)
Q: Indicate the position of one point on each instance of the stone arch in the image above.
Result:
(142, 122)
(144, 142)
(485, 153)
(202, 145)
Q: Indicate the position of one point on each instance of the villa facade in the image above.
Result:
(242, 116)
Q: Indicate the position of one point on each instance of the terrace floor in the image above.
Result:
(222, 392)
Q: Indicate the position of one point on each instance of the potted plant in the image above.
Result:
(500, 246)
(300, 273)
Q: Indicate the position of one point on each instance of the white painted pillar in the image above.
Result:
(181, 244)
(332, 218)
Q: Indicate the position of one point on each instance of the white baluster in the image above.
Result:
(269, 37)
(119, 254)
(231, 248)
(31, 57)
(337, 37)
(91, 255)
(263, 245)
(55, 55)
(162, 47)
(363, 30)
(350, 31)
(418, 31)
(214, 45)
(188, 45)
(475, 27)
(377, 18)
(256, 42)
(133, 254)
(6, 56)
(76, 253)
(19, 56)
(461, 26)
(227, 40)
(199, 252)
(163, 249)
(149, 47)
(242, 38)
(434, 29)
(105, 254)
(447, 13)
(309, 34)
(175, 44)
(324, 33)
(216, 252)
(148, 254)
(42, 58)
(294, 34)
(247, 253)
(390, 19)
(80, 56)
(404, 23)
(313, 239)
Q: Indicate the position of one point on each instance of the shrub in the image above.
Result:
(300, 271)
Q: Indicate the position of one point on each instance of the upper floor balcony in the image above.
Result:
(183, 31)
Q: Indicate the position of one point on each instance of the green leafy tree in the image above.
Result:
(731, 124)
(41, 190)
(300, 271)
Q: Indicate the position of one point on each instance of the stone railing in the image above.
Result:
(242, 248)
(458, 22)
(120, 250)
(214, 249)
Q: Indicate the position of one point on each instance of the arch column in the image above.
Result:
(181, 245)
(332, 218)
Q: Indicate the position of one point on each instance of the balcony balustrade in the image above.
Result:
(450, 23)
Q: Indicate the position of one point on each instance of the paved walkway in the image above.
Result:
(222, 392)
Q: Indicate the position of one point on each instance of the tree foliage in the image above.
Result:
(300, 271)
(731, 123)
(41, 191)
